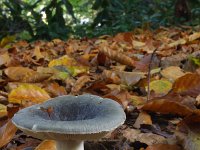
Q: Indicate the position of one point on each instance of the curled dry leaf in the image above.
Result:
(24, 74)
(188, 84)
(163, 147)
(80, 83)
(143, 118)
(28, 92)
(55, 89)
(172, 73)
(111, 76)
(47, 145)
(7, 132)
(165, 106)
(122, 97)
(117, 56)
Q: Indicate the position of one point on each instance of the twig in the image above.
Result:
(149, 74)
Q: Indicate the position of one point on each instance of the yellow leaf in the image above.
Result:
(24, 74)
(63, 61)
(160, 87)
(7, 40)
(28, 92)
(3, 110)
(137, 44)
(194, 36)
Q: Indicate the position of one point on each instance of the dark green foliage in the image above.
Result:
(65, 17)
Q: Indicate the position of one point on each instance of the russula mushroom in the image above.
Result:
(71, 120)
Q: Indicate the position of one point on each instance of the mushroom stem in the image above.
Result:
(70, 145)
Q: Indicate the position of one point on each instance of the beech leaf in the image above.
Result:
(165, 106)
(47, 145)
(28, 92)
(7, 132)
(188, 84)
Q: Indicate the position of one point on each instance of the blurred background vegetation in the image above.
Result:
(49, 19)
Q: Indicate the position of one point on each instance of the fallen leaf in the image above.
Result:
(47, 145)
(160, 87)
(3, 110)
(172, 73)
(24, 74)
(194, 36)
(55, 89)
(37, 53)
(130, 78)
(163, 147)
(117, 56)
(28, 92)
(165, 106)
(188, 84)
(7, 132)
(137, 44)
(143, 118)
(63, 61)
(147, 138)
(80, 83)
(6, 40)
(4, 58)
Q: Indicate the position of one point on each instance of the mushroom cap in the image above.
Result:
(84, 117)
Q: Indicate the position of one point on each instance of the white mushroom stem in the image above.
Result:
(70, 145)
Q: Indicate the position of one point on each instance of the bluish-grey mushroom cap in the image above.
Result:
(71, 117)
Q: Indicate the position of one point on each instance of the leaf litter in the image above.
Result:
(112, 67)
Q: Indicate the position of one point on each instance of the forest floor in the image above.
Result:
(154, 75)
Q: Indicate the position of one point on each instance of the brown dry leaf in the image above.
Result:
(147, 138)
(172, 73)
(122, 97)
(47, 145)
(143, 118)
(28, 92)
(163, 147)
(198, 100)
(130, 78)
(165, 106)
(55, 89)
(111, 76)
(37, 53)
(80, 83)
(194, 36)
(24, 74)
(188, 84)
(138, 44)
(101, 58)
(6, 133)
(4, 58)
(117, 56)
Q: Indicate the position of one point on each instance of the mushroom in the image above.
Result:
(69, 120)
